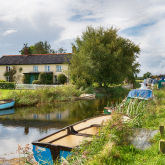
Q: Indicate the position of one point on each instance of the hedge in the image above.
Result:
(7, 85)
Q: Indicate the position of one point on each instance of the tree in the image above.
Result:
(14, 74)
(102, 56)
(42, 48)
(147, 75)
(30, 49)
(61, 50)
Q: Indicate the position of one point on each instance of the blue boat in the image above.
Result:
(61, 143)
(7, 103)
(140, 94)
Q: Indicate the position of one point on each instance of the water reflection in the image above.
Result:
(32, 123)
(7, 111)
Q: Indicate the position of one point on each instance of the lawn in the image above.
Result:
(4, 93)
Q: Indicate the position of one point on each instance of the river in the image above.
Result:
(32, 123)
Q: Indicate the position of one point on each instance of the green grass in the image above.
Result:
(139, 81)
(112, 146)
(4, 93)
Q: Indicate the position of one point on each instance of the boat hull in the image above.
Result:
(8, 103)
(60, 143)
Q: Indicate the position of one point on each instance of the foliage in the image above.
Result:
(61, 50)
(49, 78)
(147, 75)
(43, 78)
(45, 95)
(61, 78)
(3, 81)
(42, 48)
(36, 82)
(14, 74)
(30, 49)
(102, 56)
(7, 85)
(26, 79)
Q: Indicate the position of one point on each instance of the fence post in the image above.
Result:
(162, 146)
(161, 128)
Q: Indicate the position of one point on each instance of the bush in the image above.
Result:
(36, 82)
(3, 81)
(7, 85)
(61, 78)
(43, 78)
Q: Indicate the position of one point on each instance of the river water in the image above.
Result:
(28, 124)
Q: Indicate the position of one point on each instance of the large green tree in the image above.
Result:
(101, 55)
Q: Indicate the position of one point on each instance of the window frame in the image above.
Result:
(8, 68)
(58, 68)
(8, 78)
(35, 68)
(47, 68)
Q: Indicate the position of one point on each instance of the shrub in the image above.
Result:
(3, 81)
(61, 78)
(43, 78)
(36, 82)
(7, 85)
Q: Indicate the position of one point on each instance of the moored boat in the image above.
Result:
(60, 143)
(140, 94)
(7, 103)
(86, 97)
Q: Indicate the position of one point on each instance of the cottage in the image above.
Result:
(33, 64)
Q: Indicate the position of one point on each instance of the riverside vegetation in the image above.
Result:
(51, 95)
(113, 146)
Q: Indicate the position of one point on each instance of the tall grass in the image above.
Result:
(46, 95)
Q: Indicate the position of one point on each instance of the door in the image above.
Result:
(32, 78)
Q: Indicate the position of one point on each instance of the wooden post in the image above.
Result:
(161, 128)
(162, 146)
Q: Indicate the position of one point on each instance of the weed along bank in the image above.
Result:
(33, 64)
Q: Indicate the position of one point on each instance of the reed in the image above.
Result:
(45, 95)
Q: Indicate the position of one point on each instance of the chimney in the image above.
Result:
(25, 51)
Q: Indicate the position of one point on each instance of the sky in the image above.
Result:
(60, 21)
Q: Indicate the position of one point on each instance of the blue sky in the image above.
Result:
(60, 22)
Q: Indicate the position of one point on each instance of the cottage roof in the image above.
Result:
(35, 59)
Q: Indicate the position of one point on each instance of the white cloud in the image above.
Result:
(10, 31)
(61, 21)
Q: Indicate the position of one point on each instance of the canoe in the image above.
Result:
(8, 111)
(60, 143)
(86, 97)
(7, 103)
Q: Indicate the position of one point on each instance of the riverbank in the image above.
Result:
(113, 147)
(54, 95)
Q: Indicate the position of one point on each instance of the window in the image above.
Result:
(8, 68)
(58, 68)
(35, 68)
(8, 78)
(47, 68)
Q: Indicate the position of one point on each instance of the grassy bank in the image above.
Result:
(113, 147)
(43, 96)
